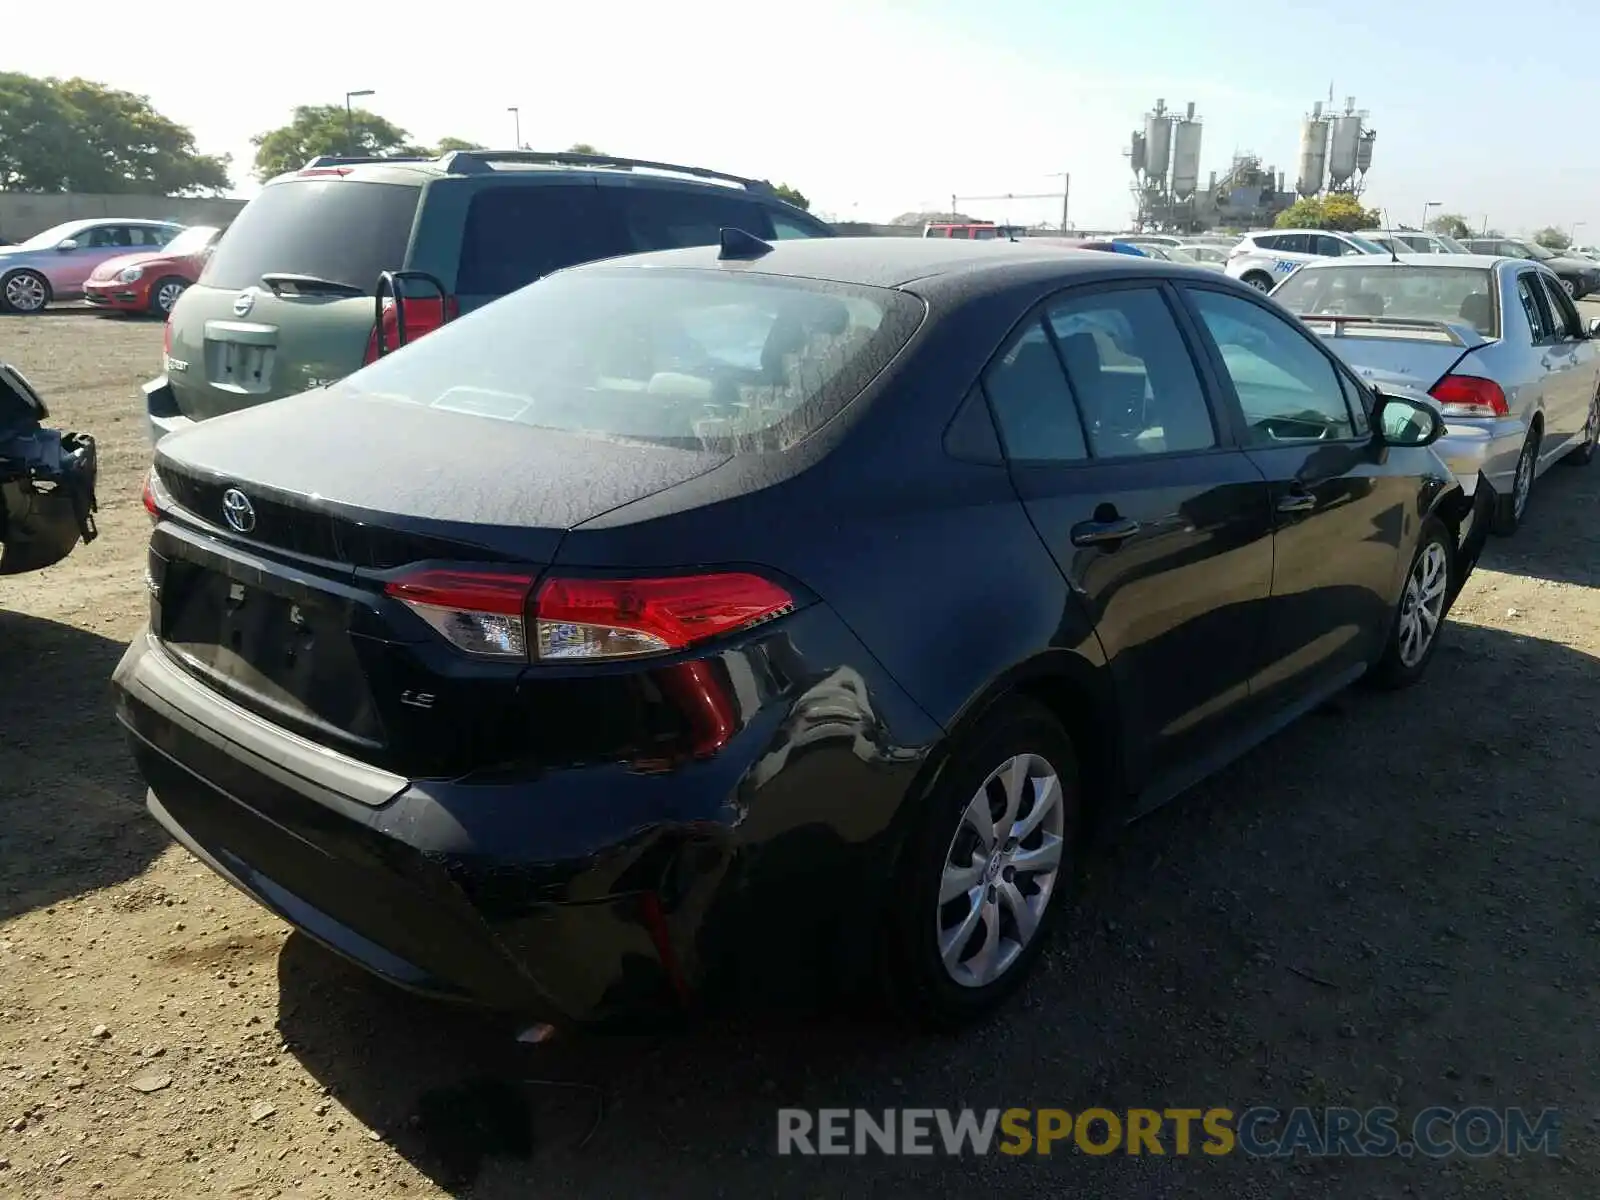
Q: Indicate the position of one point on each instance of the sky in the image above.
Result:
(876, 107)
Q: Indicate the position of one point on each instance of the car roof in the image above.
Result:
(890, 262)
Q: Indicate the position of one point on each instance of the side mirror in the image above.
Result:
(67, 244)
(1403, 422)
(1594, 327)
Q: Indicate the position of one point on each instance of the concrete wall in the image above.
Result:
(23, 214)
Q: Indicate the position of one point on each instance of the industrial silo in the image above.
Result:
(1136, 155)
(1313, 152)
(1186, 156)
(1157, 143)
(1364, 151)
(1344, 146)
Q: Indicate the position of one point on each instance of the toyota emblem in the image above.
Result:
(237, 511)
(243, 303)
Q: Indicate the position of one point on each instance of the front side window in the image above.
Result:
(692, 359)
(1131, 373)
(660, 218)
(1288, 389)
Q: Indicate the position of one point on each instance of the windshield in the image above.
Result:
(692, 359)
(1451, 245)
(1534, 250)
(50, 237)
(1456, 294)
(1182, 256)
(191, 241)
(1369, 247)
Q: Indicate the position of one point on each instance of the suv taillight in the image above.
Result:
(492, 614)
(1469, 396)
(422, 315)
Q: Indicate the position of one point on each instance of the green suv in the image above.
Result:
(346, 259)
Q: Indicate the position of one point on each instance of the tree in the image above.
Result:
(326, 129)
(1451, 225)
(78, 135)
(793, 195)
(1337, 210)
(582, 148)
(448, 144)
(1552, 238)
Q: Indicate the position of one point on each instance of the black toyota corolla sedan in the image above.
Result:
(687, 619)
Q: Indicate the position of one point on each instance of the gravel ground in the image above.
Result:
(1396, 902)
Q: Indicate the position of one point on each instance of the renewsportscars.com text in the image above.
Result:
(1259, 1132)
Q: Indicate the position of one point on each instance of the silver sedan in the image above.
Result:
(1496, 342)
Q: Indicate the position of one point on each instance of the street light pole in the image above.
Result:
(350, 120)
(1425, 208)
(516, 116)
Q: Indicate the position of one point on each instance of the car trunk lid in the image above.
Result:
(1396, 352)
(274, 592)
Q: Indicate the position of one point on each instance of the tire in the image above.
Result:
(1259, 280)
(1429, 582)
(921, 934)
(1584, 453)
(24, 292)
(164, 294)
(1509, 510)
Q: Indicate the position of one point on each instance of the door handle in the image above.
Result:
(1297, 500)
(1104, 533)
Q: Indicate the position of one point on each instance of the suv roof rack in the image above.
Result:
(473, 162)
(351, 160)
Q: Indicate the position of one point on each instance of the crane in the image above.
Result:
(1063, 195)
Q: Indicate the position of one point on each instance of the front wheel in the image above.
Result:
(25, 292)
(1583, 454)
(1570, 288)
(164, 294)
(1423, 601)
(977, 888)
(1262, 283)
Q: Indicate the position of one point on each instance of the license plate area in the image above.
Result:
(240, 366)
(287, 657)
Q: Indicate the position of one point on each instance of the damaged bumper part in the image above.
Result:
(47, 482)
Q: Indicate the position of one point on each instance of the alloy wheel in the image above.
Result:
(25, 293)
(1000, 870)
(167, 295)
(1570, 287)
(1422, 606)
(1260, 284)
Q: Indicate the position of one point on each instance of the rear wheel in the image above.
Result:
(1570, 287)
(1422, 607)
(164, 294)
(1259, 280)
(1583, 454)
(1510, 509)
(25, 292)
(978, 884)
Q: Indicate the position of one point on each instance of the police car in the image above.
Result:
(1266, 258)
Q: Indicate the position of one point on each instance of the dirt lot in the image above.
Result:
(1397, 902)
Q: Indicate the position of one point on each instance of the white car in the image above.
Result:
(1266, 258)
(1413, 241)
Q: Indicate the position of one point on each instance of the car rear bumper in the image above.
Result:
(579, 895)
(162, 415)
(1489, 448)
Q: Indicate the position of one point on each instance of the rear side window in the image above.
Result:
(1533, 306)
(515, 235)
(668, 357)
(667, 219)
(328, 228)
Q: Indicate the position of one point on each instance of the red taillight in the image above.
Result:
(1469, 396)
(487, 613)
(151, 504)
(624, 618)
(480, 612)
(310, 172)
(423, 315)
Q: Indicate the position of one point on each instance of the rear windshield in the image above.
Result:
(1457, 294)
(694, 359)
(328, 228)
